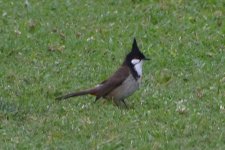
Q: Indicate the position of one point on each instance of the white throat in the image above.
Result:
(137, 66)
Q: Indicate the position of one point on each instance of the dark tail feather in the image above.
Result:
(84, 92)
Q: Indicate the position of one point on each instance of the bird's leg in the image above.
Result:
(124, 103)
(96, 99)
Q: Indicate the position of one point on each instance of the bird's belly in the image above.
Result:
(128, 87)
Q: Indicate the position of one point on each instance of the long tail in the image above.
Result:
(84, 92)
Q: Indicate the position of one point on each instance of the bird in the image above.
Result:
(122, 84)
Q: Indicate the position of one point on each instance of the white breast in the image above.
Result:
(128, 87)
(137, 66)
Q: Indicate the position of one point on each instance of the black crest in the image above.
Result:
(135, 53)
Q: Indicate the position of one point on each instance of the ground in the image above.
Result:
(49, 48)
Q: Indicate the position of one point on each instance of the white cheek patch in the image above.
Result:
(137, 66)
(135, 61)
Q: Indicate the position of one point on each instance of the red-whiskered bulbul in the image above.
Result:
(124, 82)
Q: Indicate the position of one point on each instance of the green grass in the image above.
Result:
(48, 48)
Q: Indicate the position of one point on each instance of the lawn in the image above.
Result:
(49, 48)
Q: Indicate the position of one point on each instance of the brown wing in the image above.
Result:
(114, 81)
